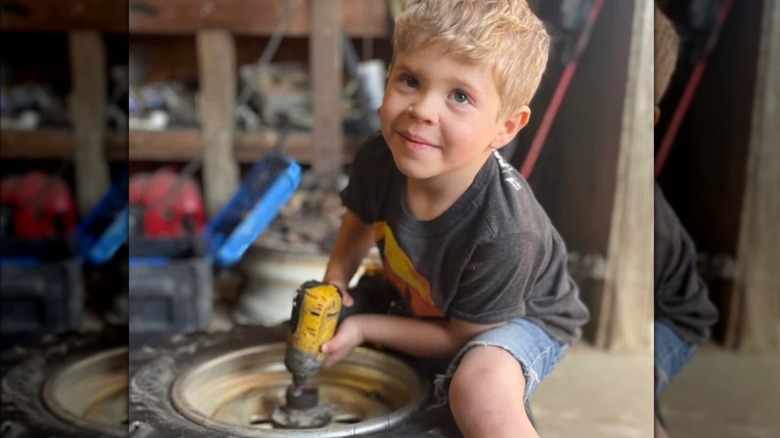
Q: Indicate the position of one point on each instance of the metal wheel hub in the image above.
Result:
(91, 393)
(237, 393)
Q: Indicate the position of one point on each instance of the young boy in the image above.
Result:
(474, 257)
(683, 312)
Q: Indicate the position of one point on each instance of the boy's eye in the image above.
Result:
(460, 97)
(410, 81)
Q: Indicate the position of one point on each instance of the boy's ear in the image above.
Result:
(511, 126)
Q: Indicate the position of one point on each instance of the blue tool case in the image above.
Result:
(105, 229)
(171, 279)
(265, 189)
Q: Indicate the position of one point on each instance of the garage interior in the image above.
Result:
(144, 133)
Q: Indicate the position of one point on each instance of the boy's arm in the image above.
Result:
(354, 239)
(433, 338)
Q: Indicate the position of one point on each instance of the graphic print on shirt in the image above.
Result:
(415, 289)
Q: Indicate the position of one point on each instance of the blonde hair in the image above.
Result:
(503, 34)
(666, 48)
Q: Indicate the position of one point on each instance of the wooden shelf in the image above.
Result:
(62, 15)
(182, 17)
(53, 144)
(173, 145)
(248, 17)
(183, 145)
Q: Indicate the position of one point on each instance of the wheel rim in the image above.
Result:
(91, 393)
(236, 393)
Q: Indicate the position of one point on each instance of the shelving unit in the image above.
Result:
(62, 16)
(215, 27)
(54, 144)
(252, 17)
(84, 24)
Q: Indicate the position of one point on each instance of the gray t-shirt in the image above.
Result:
(491, 257)
(681, 300)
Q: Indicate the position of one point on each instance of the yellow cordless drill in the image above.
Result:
(315, 315)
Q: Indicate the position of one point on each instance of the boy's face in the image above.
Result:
(440, 115)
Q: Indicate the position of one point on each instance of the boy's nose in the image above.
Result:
(424, 110)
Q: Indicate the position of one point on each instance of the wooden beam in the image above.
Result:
(755, 317)
(250, 17)
(184, 145)
(88, 115)
(325, 60)
(53, 144)
(628, 283)
(62, 15)
(217, 61)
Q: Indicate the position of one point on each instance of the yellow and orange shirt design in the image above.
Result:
(415, 289)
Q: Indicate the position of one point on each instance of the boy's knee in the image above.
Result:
(486, 369)
(486, 395)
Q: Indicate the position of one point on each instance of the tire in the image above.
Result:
(24, 372)
(154, 369)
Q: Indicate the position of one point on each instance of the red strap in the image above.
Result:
(560, 92)
(690, 90)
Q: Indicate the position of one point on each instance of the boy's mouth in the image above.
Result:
(416, 140)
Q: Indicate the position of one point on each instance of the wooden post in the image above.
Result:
(88, 115)
(628, 283)
(217, 65)
(754, 321)
(325, 57)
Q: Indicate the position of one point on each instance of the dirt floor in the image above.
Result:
(720, 394)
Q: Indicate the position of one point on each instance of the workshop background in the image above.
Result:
(135, 141)
(718, 163)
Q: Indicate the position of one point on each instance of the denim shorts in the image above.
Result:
(672, 353)
(537, 352)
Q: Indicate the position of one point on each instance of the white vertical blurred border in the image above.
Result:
(757, 276)
(629, 278)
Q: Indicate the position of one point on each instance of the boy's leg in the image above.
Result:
(671, 354)
(660, 432)
(493, 375)
(480, 400)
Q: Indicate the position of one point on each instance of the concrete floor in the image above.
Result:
(593, 394)
(725, 394)
(721, 394)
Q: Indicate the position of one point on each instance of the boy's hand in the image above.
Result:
(348, 336)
